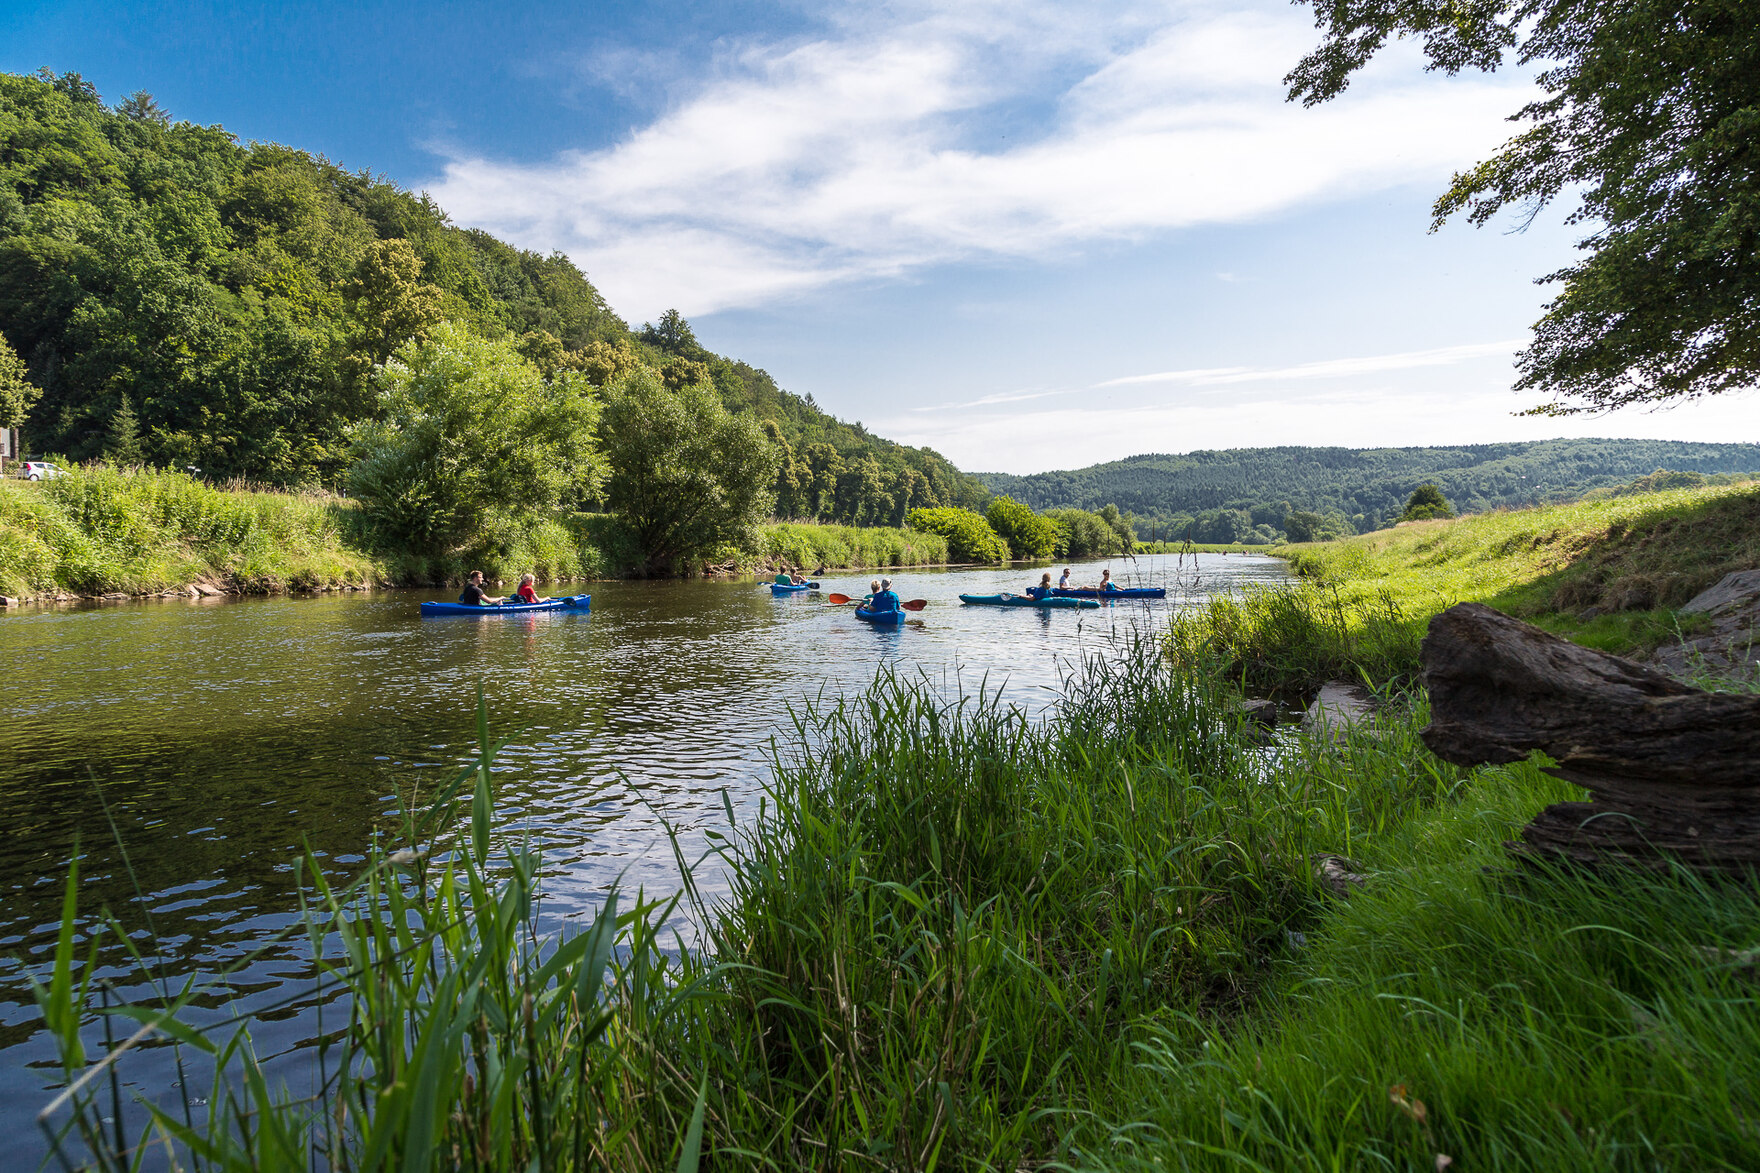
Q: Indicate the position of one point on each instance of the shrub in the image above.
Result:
(1028, 535)
(969, 536)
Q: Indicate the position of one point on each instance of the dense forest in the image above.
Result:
(1245, 494)
(186, 299)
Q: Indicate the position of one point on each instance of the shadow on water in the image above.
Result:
(223, 738)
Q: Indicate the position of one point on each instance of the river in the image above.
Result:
(220, 735)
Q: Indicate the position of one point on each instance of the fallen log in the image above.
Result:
(1672, 770)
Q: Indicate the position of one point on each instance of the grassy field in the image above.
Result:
(1607, 574)
(961, 939)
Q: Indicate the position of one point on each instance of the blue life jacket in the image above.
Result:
(883, 602)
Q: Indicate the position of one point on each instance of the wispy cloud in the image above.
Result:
(878, 148)
(1335, 368)
(1332, 368)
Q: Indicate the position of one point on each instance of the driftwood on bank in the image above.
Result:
(1671, 769)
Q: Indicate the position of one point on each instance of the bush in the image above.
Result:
(469, 439)
(969, 536)
(1028, 535)
(1081, 534)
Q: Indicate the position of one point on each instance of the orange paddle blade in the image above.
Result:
(837, 600)
(915, 604)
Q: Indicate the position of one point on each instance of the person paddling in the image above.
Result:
(885, 600)
(473, 594)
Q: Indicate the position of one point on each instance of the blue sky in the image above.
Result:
(1033, 235)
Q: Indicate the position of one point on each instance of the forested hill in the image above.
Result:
(228, 301)
(1367, 486)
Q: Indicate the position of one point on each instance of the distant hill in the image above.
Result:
(1368, 486)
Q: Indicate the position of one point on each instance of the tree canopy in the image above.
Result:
(1650, 116)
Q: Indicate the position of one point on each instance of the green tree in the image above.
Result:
(1121, 525)
(124, 446)
(1028, 535)
(1426, 503)
(17, 393)
(1648, 115)
(468, 437)
(685, 474)
(672, 334)
(969, 536)
(392, 304)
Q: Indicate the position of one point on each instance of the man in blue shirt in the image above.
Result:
(884, 600)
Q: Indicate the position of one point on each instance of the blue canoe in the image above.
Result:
(880, 618)
(1026, 601)
(777, 588)
(568, 603)
(1116, 593)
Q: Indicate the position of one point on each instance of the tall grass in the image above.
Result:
(1287, 641)
(137, 531)
(847, 546)
(956, 937)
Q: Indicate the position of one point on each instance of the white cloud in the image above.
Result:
(876, 149)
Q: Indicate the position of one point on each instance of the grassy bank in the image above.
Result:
(137, 532)
(99, 530)
(958, 938)
(1607, 574)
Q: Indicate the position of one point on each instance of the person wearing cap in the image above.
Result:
(885, 599)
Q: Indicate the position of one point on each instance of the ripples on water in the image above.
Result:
(224, 734)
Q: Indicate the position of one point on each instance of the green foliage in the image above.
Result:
(685, 475)
(17, 394)
(969, 536)
(469, 439)
(1176, 498)
(1426, 504)
(1028, 535)
(1648, 116)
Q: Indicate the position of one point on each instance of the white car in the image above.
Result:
(40, 470)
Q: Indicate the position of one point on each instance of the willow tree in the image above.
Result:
(1650, 118)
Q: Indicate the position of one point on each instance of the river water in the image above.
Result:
(220, 735)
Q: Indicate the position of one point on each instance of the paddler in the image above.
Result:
(473, 594)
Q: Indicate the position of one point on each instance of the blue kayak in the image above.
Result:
(568, 603)
(777, 588)
(1026, 601)
(880, 618)
(1114, 593)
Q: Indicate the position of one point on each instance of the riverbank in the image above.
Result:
(126, 534)
(1120, 937)
(1610, 574)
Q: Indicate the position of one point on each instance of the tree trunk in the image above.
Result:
(1672, 770)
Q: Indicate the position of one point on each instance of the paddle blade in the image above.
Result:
(837, 600)
(915, 604)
